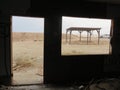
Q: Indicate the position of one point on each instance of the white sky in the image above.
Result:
(28, 24)
(104, 24)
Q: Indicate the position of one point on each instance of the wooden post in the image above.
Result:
(87, 36)
(90, 35)
(98, 36)
(66, 35)
(80, 35)
(70, 37)
(111, 36)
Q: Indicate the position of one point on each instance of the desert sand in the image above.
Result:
(27, 50)
(77, 47)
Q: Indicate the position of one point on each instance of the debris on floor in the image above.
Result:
(101, 84)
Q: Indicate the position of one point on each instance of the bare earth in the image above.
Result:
(77, 47)
(28, 58)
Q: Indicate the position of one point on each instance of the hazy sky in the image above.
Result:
(104, 24)
(28, 24)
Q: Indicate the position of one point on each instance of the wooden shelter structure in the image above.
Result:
(80, 30)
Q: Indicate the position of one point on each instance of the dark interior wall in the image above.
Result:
(59, 69)
(78, 9)
(11, 7)
(5, 58)
(112, 67)
(108, 1)
(7, 9)
(114, 64)
(52, 47)
(69, 69)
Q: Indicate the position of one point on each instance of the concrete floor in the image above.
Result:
(102, 84)
(38, 87)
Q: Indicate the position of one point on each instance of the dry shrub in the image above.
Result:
(35, 40)
(23, 62)
(74, 51)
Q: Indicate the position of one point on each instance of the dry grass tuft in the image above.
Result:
(23, 62)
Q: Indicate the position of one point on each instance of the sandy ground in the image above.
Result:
(27, 55)
(77, 47)
(28, 62)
